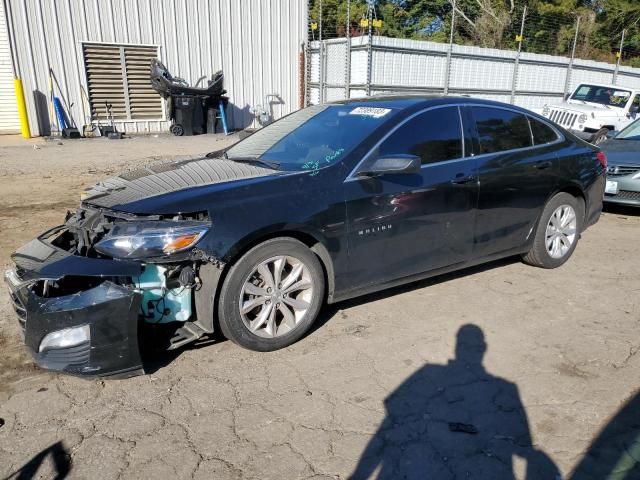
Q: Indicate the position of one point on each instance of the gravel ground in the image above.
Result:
(389, 383)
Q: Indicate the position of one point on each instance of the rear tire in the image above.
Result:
(271, 295)
(557, 233)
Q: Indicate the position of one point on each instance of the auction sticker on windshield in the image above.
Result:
(370, 111)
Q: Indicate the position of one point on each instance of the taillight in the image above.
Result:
(602, 158)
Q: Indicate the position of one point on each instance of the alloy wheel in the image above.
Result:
(561, 231)
(276, 296)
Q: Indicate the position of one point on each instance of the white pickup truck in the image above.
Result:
(592, 111)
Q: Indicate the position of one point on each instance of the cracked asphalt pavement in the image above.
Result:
(501, 371)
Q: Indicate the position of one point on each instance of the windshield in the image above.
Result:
(312, 138)
(631, 132)
(610, 96)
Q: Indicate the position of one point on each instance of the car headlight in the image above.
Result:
(545, 111)
(583, 118)
(69, 337)
(137, 240)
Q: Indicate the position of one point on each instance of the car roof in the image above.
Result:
(408, 101)
(606, 85)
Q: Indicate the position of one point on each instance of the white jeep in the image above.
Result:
(592, 111)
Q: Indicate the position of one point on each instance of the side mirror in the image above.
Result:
(216, 153)
(393, 164)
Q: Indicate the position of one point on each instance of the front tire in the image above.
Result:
(271, 295)
(557, 233)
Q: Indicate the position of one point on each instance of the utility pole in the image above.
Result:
(447, 71)
(347, 63)
(369, 45)
(321, 56)
(514, 81)
(567, 79)
(615, 72)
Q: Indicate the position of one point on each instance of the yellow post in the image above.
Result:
(22, 108)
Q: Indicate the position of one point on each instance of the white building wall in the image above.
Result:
(255, 42)
(9, 119)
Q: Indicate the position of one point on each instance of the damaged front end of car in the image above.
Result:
(84, 291)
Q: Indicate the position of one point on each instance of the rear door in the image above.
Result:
(403, 224)
(516, 176)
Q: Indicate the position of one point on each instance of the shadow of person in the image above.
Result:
(454, 421)
(61, 463)
(615, 453)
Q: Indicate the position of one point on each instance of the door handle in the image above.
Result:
(542, 165)
(461, 179)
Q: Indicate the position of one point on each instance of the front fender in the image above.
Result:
(315, 240)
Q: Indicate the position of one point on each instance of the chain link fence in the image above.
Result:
(511, 52)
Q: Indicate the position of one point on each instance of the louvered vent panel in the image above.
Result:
(119, 75)
(143, 101)
(105, 81)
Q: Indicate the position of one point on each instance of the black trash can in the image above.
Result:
(188, 115)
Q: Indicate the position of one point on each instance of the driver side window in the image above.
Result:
(434, 136)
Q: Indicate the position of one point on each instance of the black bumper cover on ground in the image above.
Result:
(110, 310)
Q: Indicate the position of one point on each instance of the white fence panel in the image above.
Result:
(336, 54)
(403, 65)
(358, 67)
(529, 75)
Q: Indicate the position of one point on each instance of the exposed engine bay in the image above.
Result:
(166, 286)
(88, 225)
(104, 275)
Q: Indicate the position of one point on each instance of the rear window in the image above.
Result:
(542, 133)
(500, 130)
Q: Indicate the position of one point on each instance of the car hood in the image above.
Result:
(578, 106)
(622, 152)
(163, 178)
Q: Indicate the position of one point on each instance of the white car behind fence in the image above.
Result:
(592, 111)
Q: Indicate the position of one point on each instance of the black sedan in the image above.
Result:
(328, 203)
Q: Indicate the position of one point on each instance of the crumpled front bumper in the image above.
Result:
(110, 310)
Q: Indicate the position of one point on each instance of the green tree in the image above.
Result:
(549, 26)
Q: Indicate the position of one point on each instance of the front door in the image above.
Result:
(404, 224)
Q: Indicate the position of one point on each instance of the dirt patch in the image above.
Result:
(15, 364)
(571, 370)
(21, 211)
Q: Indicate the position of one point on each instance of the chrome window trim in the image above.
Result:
(533, 141)
(453, 160)
(462, 137)
(560, 137)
